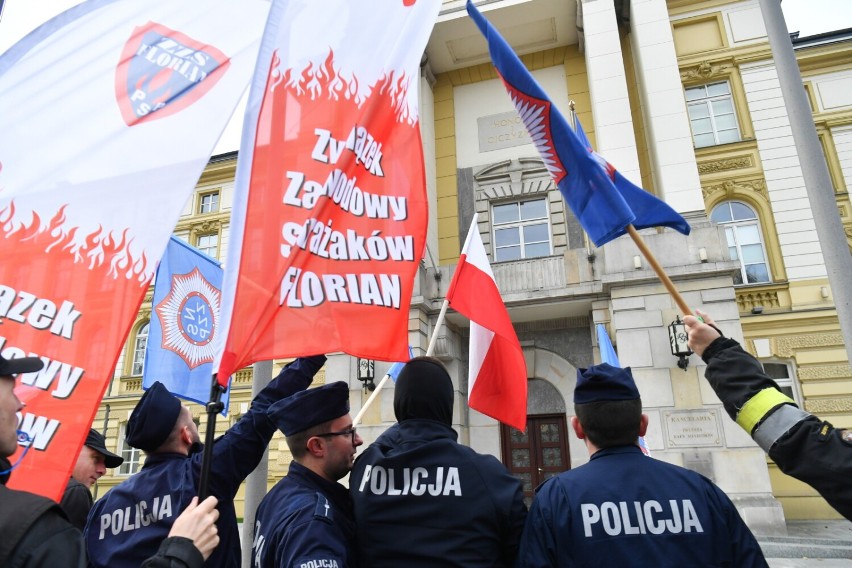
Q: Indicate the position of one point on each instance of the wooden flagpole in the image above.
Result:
(661, 274)
(643, 248)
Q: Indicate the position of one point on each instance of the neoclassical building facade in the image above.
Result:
(682, 96)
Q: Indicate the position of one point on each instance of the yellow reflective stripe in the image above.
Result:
(757, 406)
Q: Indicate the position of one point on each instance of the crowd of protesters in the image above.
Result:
(416, 496)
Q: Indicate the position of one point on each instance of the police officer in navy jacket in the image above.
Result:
(623, 508)
(129, 522)
(306, 519)
(423, 499)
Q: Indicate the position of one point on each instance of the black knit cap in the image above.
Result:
(424, 390)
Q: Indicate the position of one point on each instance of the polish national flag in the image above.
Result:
(497, 383)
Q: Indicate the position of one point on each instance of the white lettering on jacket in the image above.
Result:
(417, 481)
(135, 516)
(648, 517)
(323, 563)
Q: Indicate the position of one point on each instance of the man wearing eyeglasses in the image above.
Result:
(307, 519)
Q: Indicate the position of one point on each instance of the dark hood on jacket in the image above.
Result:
(424, 390)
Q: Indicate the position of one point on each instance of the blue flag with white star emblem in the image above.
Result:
(603, 201)
(181, 334)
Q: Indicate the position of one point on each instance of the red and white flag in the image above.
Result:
(330, 208)
(111, 110)
(497, 375)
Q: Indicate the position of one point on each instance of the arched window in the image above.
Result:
(742, 230)
(139, 346)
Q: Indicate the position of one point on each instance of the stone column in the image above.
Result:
(615, 139)
(673, 165)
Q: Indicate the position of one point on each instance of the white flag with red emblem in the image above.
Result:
(497, 371)
(111, 111)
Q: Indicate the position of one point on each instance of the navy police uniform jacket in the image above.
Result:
(129, 523)
(305, 521)
(423, 499)
(626, 509)
(802, 445)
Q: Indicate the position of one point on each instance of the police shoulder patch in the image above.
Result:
(323, 510)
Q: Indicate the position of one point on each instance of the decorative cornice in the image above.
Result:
(704, 71)
(735, 163)
(788, 345)
(553, 324)
(203, 224)
(243, 376)
(746, 300)
(819, 372)
(220, 171)
(731, 188)
(821, 406)
(131, 385)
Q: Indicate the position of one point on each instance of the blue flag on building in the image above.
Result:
(183, 324)
(603, 201)
(608, 354)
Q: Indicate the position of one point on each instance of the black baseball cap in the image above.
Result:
(97, 442)
(12, 367)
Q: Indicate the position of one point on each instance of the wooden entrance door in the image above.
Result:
(539, 454)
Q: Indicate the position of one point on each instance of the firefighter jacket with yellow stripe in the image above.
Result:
(802, 445)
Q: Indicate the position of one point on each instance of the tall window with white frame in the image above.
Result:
(140, 344)
(711, 114)
(208, 244)
(132, 456)
(208, 202)
(521, 229)
(742, 231)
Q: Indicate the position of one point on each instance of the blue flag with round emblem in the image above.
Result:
(181, 336)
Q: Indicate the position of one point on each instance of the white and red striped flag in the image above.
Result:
(497, 377)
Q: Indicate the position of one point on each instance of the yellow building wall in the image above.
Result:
(798, 317)
(446, 167)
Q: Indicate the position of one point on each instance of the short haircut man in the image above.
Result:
(306, 519)
(423, 499)
(92, 463)
(34, 528)
(624, 508)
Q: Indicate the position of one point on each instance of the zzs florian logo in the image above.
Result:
(163, 71)
(188, 316)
